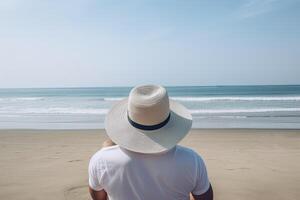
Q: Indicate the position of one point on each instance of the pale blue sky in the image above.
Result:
(54, 43)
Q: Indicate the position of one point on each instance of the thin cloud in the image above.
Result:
(253, 8)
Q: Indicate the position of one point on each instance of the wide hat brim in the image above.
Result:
(127, 136)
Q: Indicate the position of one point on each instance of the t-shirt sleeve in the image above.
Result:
(202, 181)
(95, 174)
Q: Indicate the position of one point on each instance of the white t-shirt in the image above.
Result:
(127, 175)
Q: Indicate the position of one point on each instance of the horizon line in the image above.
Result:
(167, 86)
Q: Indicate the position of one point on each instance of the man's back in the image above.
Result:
(128, 175)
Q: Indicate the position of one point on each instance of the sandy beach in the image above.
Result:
(242, 163)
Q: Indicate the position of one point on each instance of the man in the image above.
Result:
(147, 163)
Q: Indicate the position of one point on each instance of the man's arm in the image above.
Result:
(98, 195)
(101, 195)
(208, 195)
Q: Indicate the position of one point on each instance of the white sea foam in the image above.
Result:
(29, 98)
(113, 98)
(239, 98)
(62, 110)
(17, 99)
(234, 111)
(223, 98)
(102, 111)
(184, 98)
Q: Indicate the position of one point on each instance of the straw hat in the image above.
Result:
(147, 121)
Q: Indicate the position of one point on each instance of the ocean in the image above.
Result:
(211, 106)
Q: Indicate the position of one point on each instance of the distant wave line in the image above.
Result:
(103, 111)
(58, 110)
(177, 98)
(239, 98)
(22, 98)
(233, 111)
(224, 98)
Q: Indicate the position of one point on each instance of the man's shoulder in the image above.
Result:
(115, 152)
(186, 150)
(187, 153)
(106, 152)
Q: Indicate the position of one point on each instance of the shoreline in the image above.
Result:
(192, 129)
(242, 163)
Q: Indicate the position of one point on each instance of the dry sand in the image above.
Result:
(242, 164)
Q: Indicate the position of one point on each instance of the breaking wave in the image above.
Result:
(224, 98)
